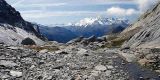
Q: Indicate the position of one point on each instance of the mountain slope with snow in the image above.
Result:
(98, 26)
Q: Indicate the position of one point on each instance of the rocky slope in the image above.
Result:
(145, 33)
(143, 39)
(13, 28)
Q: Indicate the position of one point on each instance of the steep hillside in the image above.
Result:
(145, 33)
(13, 28)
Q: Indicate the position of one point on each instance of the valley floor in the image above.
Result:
(72, 62)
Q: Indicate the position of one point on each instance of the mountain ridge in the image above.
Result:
(12, 24)
(86, 27)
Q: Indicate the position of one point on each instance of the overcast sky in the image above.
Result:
(65, 11)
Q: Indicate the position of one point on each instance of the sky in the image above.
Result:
(65, 11)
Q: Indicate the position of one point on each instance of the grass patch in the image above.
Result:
(114, 42)
(117, 42)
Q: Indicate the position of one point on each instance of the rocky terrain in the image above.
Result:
(68, 62)
(142, 39)
(145, 31)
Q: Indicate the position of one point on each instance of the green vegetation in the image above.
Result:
(117, 42)
(114, 42)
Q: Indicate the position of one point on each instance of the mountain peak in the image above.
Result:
(86, 21)
(100, 21)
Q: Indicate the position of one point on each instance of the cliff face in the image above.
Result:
(8, 15)
(13, 28)
(145, 33)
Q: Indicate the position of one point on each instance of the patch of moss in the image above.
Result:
(117, 42)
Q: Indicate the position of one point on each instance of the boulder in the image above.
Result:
(79, 39)
(100, 68)
(8, 63)
(28, 41)
(43, 51)
(16, 73)
(101, 39)
(92, 39)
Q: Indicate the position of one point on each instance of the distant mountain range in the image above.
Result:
(86, 28)
(58, 34)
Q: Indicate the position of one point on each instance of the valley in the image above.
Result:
(96, 48)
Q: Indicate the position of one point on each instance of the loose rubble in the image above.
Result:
(72, 62)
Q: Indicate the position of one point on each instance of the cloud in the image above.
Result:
(40, 5)
(38, 9)
(145, 4)
(119, 12)
(40, 14)
(18, 2)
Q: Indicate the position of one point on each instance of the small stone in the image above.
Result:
(100, 68)
(33, 66)
(43, 51)
(16, 73)
(110, 67)
(141, 78)
(159, 76)
(108, 73)
(150, 56)
(13, 48)
(50, 78)
(5, 76)
(41, 62)
(8, 63)
(95, 73)
(82, 51)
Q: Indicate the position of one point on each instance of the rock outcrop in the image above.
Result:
(13, 28)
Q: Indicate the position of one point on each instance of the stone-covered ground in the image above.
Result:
(70, 62)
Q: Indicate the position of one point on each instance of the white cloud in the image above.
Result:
(40, 14)
(18, 2)
(40, 5)
(119, 12)
(145, 4)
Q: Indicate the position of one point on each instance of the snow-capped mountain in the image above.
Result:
(97, 26)
(85, 27)
(13, 28)
(100, 21)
